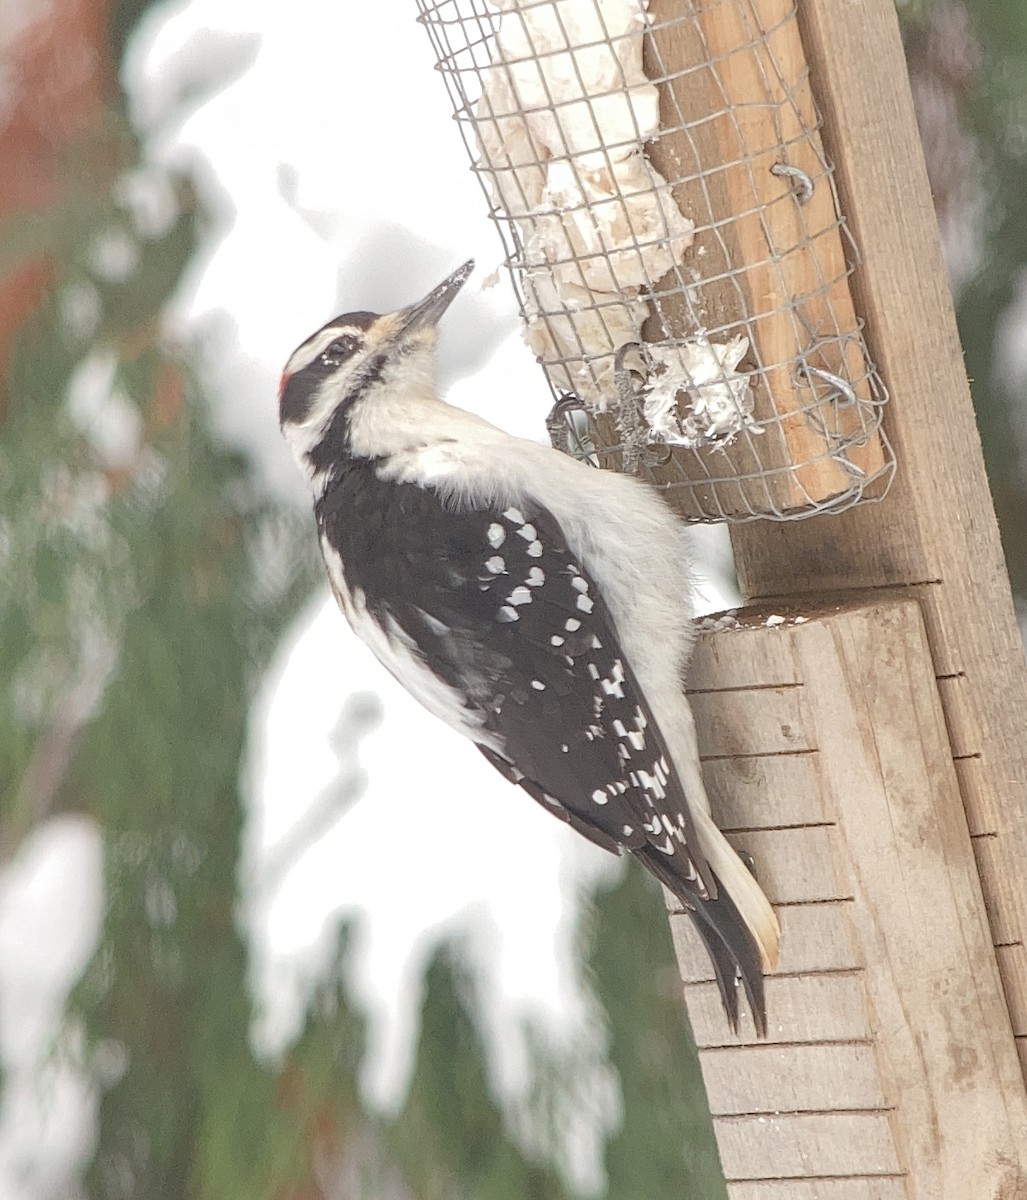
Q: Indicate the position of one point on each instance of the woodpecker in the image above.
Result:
(535, 604)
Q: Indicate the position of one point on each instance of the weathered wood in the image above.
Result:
(935, 533)
(975, 785)
(721, 663)
(806, 1144)
(735, 102)
(732, 722)
(814, 940)
(890, 1052)
(797, 862)
(778, 790)
(829, 1007)
(1012, 962)
(881, 1188)
(825, 1075)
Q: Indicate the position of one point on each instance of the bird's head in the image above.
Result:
(346, 381)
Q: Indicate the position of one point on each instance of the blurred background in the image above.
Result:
(266, 930)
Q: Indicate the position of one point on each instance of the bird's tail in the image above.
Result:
(738, 927)
(743, 887)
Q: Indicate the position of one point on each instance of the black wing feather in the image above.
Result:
(499, 607)
(501, 610)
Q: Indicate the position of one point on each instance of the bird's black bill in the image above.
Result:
(429, 310)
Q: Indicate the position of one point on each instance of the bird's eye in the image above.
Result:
(338, 351)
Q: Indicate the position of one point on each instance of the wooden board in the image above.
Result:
(935, 534)
(890, 1068)
(735, 103)
(880, 1187)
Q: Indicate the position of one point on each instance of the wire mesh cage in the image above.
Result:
(670, 221)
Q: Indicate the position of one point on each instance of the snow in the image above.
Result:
(316, 208)
(51, 895)
(113, 424)
(114, 256)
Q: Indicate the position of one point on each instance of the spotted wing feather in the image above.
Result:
(498, 606)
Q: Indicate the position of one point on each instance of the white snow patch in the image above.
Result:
(146, 193)
(80, 309)
(103, 412)
(51, 907)
(114, 255)
(311, 212)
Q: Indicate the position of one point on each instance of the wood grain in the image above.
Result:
(810, 1144)
(880, 1188)
(822, 1075)
(800, 1009)
(774, 790)
(935, 533)
(768, 721)
(814, 940)
(722, 663)
(890, 1049)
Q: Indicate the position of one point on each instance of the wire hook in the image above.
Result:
(802, 184)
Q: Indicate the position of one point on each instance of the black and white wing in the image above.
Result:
(487, 616)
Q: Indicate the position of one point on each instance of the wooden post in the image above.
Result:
(903, 989)
(890, 1071)
(935, 534)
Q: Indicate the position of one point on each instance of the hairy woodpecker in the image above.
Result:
(535, 604)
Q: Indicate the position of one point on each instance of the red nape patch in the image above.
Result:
(283, 383)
